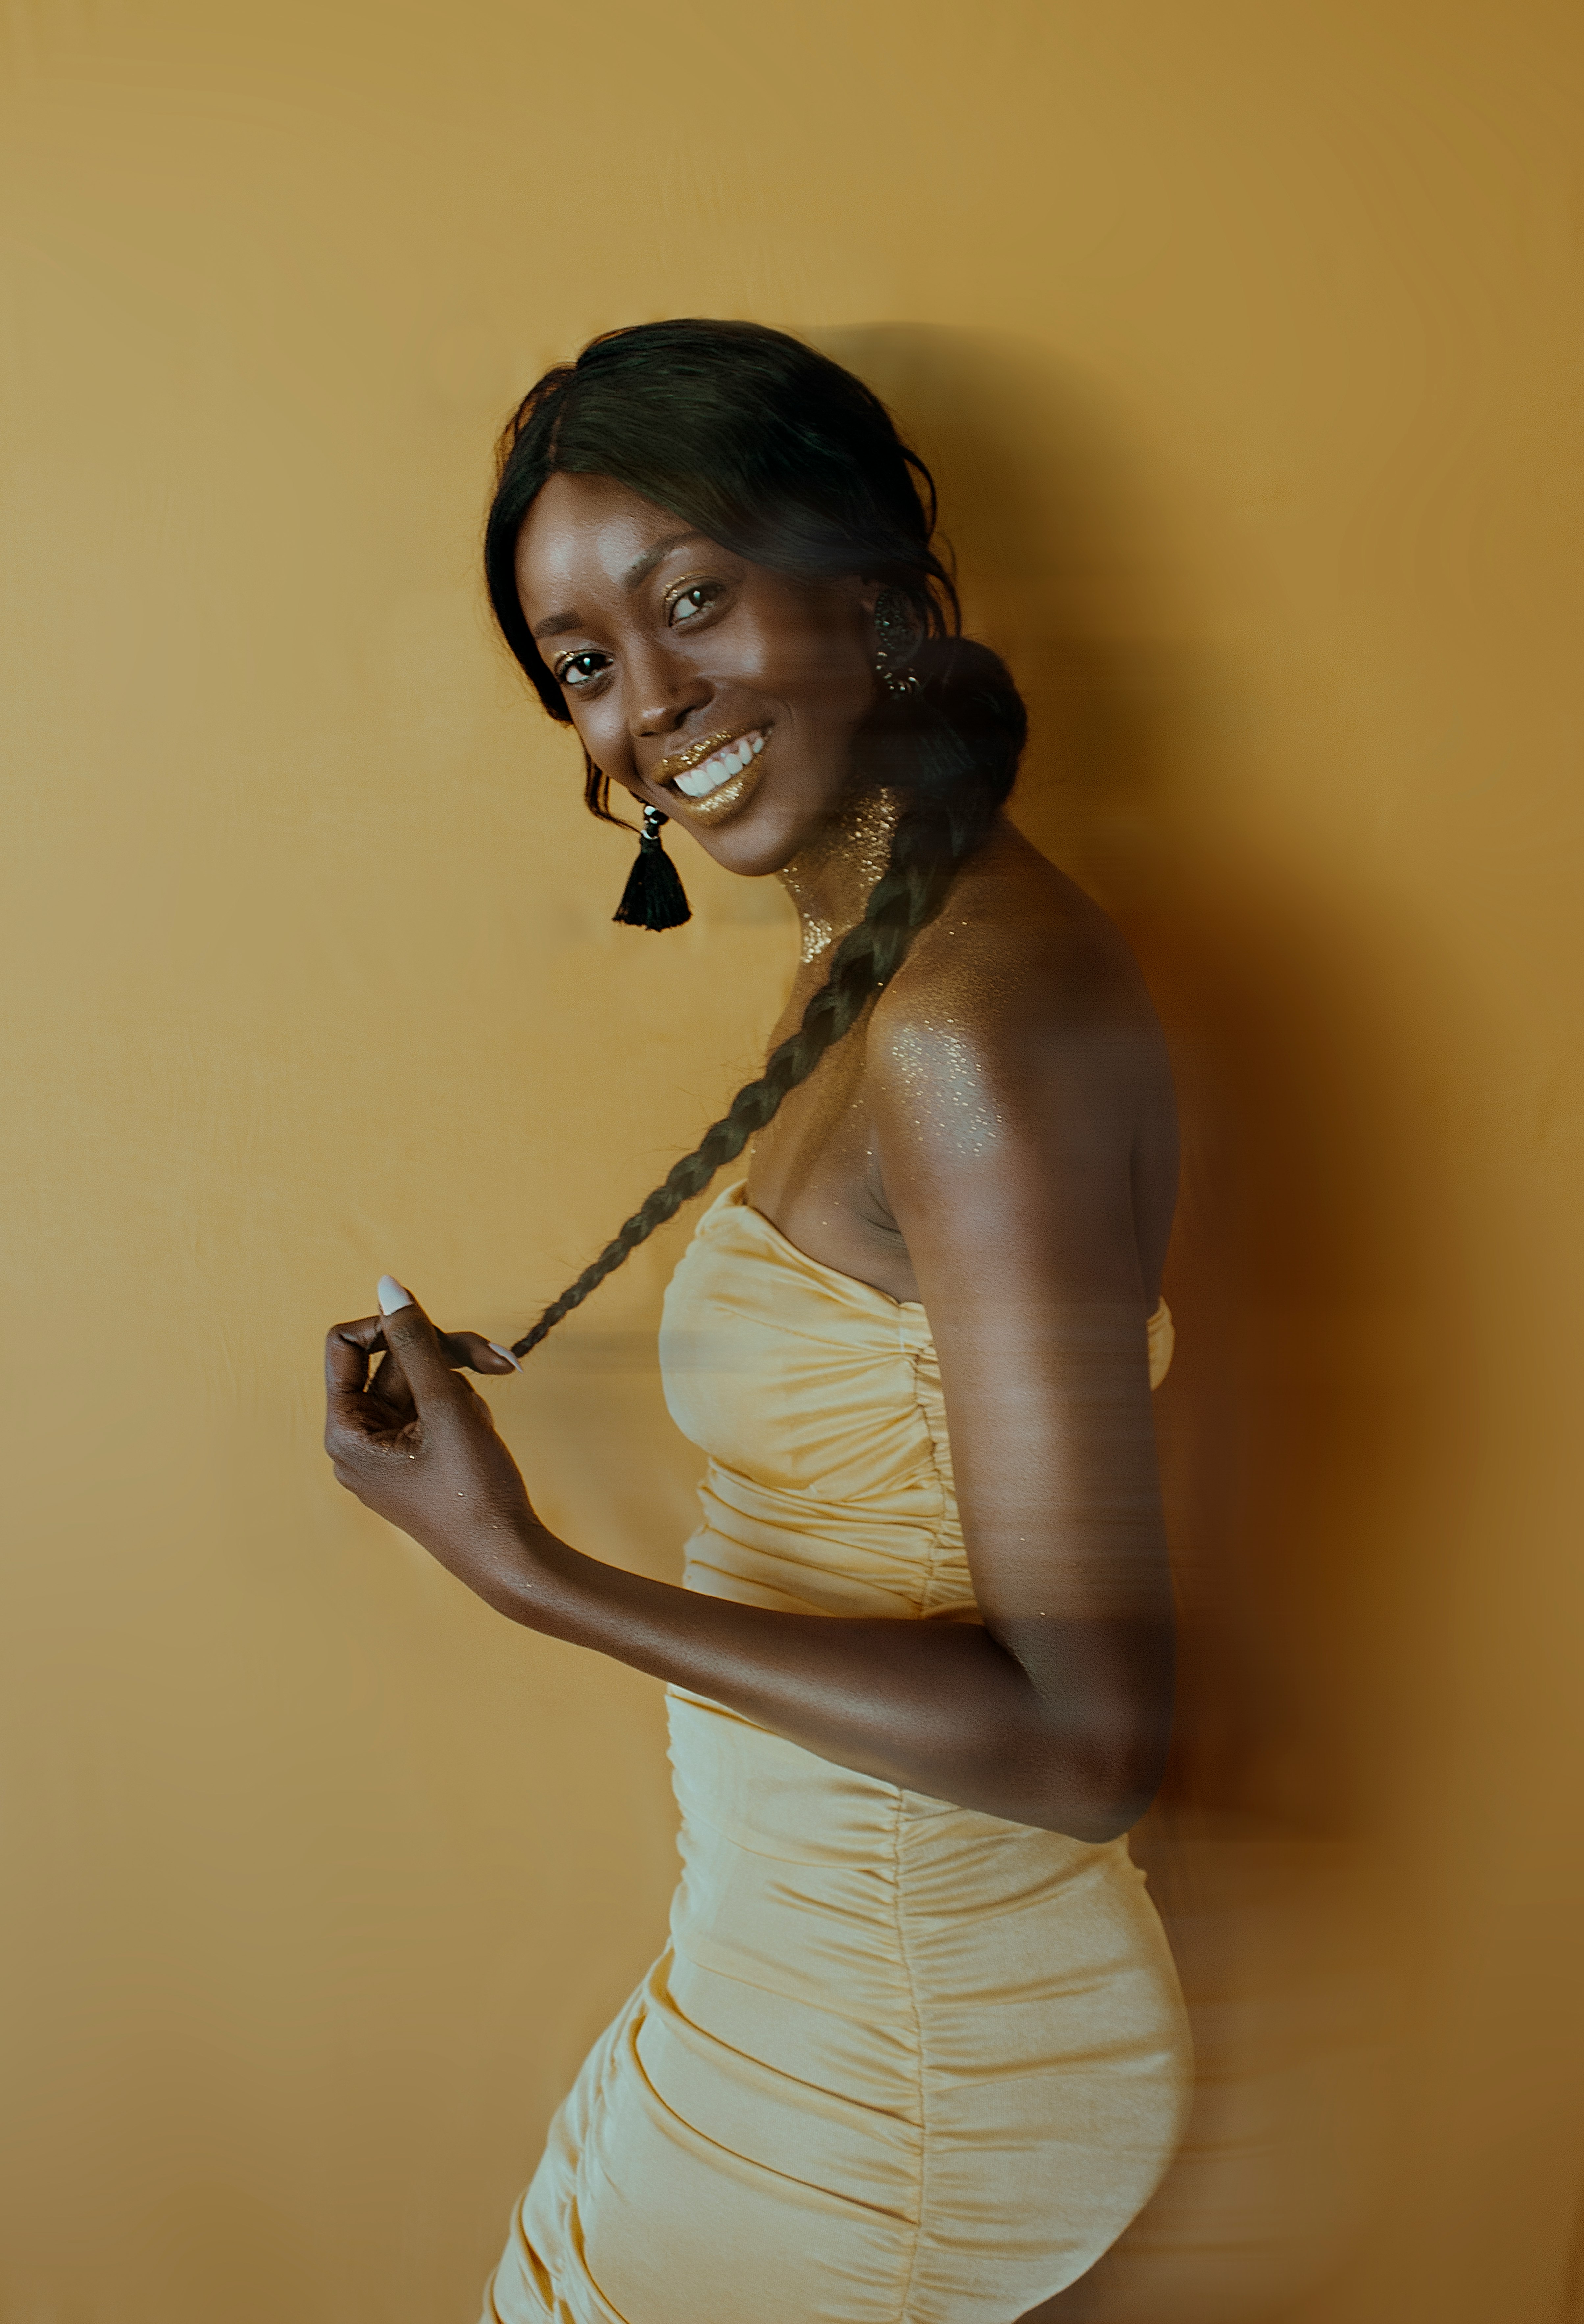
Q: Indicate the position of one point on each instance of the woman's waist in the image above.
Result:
(749, 1796)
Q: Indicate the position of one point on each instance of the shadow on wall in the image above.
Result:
(1301, 1478)
(1573, 2288)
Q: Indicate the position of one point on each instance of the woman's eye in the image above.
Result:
(581, 669)
(695, 599)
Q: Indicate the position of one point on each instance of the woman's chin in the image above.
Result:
(761, 838)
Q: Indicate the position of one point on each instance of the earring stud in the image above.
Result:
(896, 642)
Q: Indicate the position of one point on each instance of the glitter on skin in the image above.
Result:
(859, 842)
(945, 1087)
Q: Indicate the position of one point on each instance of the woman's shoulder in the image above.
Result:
(1019, 956)
(1016, 1059)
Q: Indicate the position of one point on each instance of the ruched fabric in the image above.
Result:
(900, 2063)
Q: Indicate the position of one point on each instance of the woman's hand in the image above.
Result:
(418, 1445)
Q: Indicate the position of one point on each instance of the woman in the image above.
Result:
(915, 2053)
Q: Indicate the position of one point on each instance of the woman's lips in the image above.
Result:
(713, 788)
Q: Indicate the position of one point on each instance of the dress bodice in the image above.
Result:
(817, 1399)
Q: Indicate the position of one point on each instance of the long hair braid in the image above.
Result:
(780, 453)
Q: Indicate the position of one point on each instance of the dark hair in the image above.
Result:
(782, 457)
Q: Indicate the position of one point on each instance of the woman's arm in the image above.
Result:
(1015, 1208)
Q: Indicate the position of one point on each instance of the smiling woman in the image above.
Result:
(798, 646)
(916, 2052)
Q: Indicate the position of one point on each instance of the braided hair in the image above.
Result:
(785, 458)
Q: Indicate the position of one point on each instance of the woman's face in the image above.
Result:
(724, 694)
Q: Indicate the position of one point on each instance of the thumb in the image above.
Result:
(413, 1341)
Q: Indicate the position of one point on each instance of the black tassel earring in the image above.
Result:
(653, 896)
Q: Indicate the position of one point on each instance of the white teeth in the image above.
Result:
(698, 782)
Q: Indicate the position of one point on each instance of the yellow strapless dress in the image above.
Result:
(900, 2063)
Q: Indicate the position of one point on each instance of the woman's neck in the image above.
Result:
(829, 881)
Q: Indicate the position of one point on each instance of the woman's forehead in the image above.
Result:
(596, 531)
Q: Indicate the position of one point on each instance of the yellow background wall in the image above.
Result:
(1240, 335)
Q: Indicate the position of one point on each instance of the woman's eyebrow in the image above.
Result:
(642, 566)
(558, 624)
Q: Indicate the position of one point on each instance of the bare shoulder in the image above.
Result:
(1019, 1099)
(1024, 976)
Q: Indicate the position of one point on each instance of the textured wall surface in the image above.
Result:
(1241, 338)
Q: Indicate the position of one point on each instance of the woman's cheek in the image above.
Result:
(604, 737)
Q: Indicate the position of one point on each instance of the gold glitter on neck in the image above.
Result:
(831, 880)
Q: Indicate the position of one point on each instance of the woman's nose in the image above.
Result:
(666, 687)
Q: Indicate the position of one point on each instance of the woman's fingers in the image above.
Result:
(356, 1360)
(464, 1352)
(347, 1363)
(429, 1373)
(472, 1351)
(349, 1409)
(390, 1385)
(419, 1446)
(370, 1364)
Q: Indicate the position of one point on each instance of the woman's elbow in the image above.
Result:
(1096, 1720)
(1107, 1820)
(1100, 1793)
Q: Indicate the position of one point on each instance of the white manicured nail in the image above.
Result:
(500, 1350)
(391, 1295)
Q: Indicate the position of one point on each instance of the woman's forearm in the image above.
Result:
(941, 1708)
